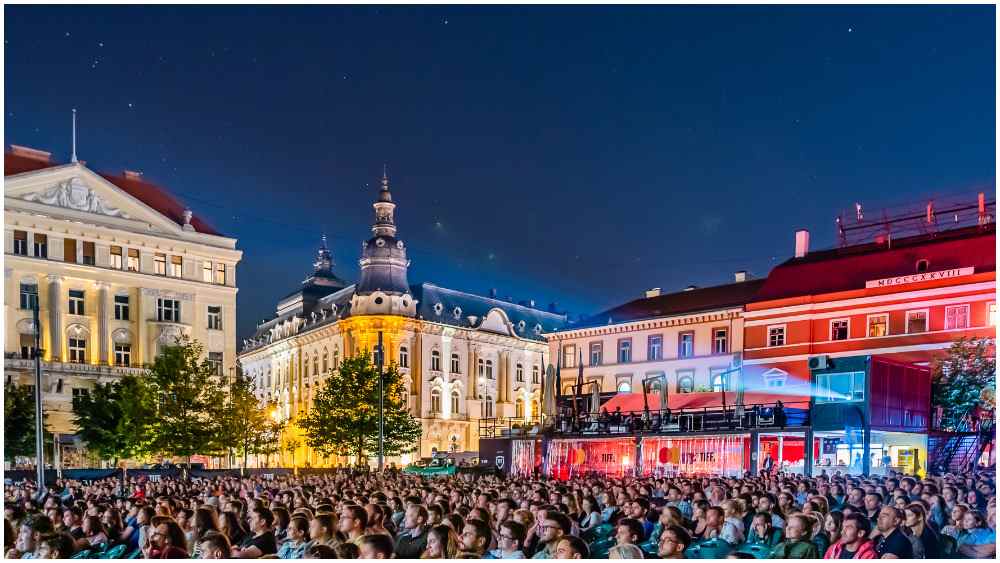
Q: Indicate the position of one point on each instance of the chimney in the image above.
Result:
(741, 276)
(801, 243)
(531, 303)
(493, 293)
(691, 288)
(553, 307)
(33, 154)
(133, 175)
(655, 292)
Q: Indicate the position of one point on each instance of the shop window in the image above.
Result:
(878, 325)
(776, 335)
(721, 340)
(596, 353)
(839, 329)
(840, 387)
(956, 317)
(916, 321)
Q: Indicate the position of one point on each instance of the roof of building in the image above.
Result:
(679, 303)
(150, 194)
(848, 268)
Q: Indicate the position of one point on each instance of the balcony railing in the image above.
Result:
(761, 416)
(19, 363)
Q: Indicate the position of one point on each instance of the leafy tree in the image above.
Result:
(115, 419)
(189, 402)
(344, 417)
(963, 377)
(268, 442)
(19, 421)
(244, 419)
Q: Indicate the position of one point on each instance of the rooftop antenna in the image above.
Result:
(859, 212)
(72, 157)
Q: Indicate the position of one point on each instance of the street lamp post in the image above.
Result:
(381, 397)
(39, 417)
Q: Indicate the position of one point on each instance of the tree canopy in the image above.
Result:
(963, 378)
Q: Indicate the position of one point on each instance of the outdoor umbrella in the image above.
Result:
(549, 392)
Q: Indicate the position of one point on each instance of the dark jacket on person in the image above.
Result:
(409, 546)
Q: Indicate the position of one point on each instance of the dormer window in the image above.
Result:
(922, 265)
(456, 312)
(438, 308)
(538, 329)
(520, 325)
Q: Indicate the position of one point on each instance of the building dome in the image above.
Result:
(383, 287)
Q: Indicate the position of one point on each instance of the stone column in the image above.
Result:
(138, 315)
(102, 322)
(55, 318)
(416, 374)
(504, 359)
(470, 388)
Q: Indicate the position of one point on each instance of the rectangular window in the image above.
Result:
(776, 335)
(220, 274)
(89, 254)
(839, 329)
(41, 245)
(436, 363)
(916, 321)
(214, 317)
(21, 243)
(123, 355)
(206, 271)
(116, 258)
(80, 392)
(569, 356)
(624, 350)
(133, 260)
(840, 387)
(168, 310)
(956, 316)
(720, 338)
(456, 364)
(76, 302)
(519, 373)
(121, 307)
(29, 296)
(176, 266)
(685, 344)
(69, 250)
(596, 353)
(160, 264)
(878, 325)
(77, 350)
(654, 347)
(215, 359)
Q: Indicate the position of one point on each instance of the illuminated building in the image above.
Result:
(118, 267)
(463, 357)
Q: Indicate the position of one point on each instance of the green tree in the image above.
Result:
(963, 377)
(19, 421)
(190, 401)
(344, 417)
(244, 419)
(268, 442)
(115, 419)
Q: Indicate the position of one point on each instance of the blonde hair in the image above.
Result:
(625, 551)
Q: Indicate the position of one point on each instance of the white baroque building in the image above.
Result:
(463, 357)
(118, 267)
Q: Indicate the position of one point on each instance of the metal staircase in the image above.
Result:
(952, 452)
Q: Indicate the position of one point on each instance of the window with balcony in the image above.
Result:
(69, 250)
(404, 357)
(77, 350)
(76, 302)
(21, 243)
(123, 355)
(654, 347)
(685, 344)
(133, 260)
(839, 329)
(435, 360)
(776, 335)
(160, 264)
(878, 325)
(456, 364)
(916, 321)
(116, 258)
(89, 253)
(720, 338)
(121, 307)
(29, 296)
(214, 317)
(840, 387)
(956, 317)
(596, 353)
(176, 266)
(41, 245)
(624, 350)
(519, 373)
(168, 310)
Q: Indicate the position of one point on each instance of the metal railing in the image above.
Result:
(71, 367)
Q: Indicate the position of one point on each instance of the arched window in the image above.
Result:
(455, 398)
(535, 374)
(482, 368)
(685, 384)
(624, 387)
(456, 364)
(717, 380)
(519, 408)
(435, 401)
(316, 363)
(435, 360)
(488, 407)
(326, 361)
(404, 357)
(656, 387)
(536, 408)
(336, 357)
(489, 369)
(520, 373)
(305, 369)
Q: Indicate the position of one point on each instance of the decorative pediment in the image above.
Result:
(496, 321)
(75, 194)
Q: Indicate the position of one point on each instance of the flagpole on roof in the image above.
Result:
(72, 157)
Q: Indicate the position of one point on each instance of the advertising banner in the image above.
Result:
(710, 455)
(613, 457)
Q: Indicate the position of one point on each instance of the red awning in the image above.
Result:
(634, 401)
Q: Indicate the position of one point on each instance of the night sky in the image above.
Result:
(579, 155)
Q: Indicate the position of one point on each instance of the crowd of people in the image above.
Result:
(352, 514)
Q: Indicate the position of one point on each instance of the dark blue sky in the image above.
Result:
(573, 154)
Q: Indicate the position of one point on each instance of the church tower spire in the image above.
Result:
(324, 260)
(384, 209)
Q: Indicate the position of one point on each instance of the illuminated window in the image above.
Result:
(720, 338)
(654, 347)
(624, 386)
(956, 316)
(685, 344)
(916, 321)
(220, 274)
(569, 356)
(839, 329)
(596, 353)
(206, 271)
(41, 245)
(840, 387)
(878, 325)
(116, 258)
(776, 335)
(160, 264)
(176, 266)
(133, 260)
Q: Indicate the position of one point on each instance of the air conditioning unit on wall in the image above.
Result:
(819, 362)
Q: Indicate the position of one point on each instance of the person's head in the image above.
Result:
(322, 526)
(55, 546)
(674, 541)
(476, 536)
(873, 501)
(714, 516)
(512, 536)
(261, 520)
(298, 528)
(833, 522)
(972, 520)
(855, 529)
(92, 525)
(375, 546)
(323, 551)
(915, 515)
(572, 547)
(525, 518)
(889, 518)
(765, 503)
(442, 543)
(353, 520)
(798, 527)
(215, 545)
(168, 533)
(629, 530)
(625, 551)
(72, 517)
(553, 525)
(33, 527)
(762, 524)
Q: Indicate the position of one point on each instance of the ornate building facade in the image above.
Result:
(463, 357)
(118, 268)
